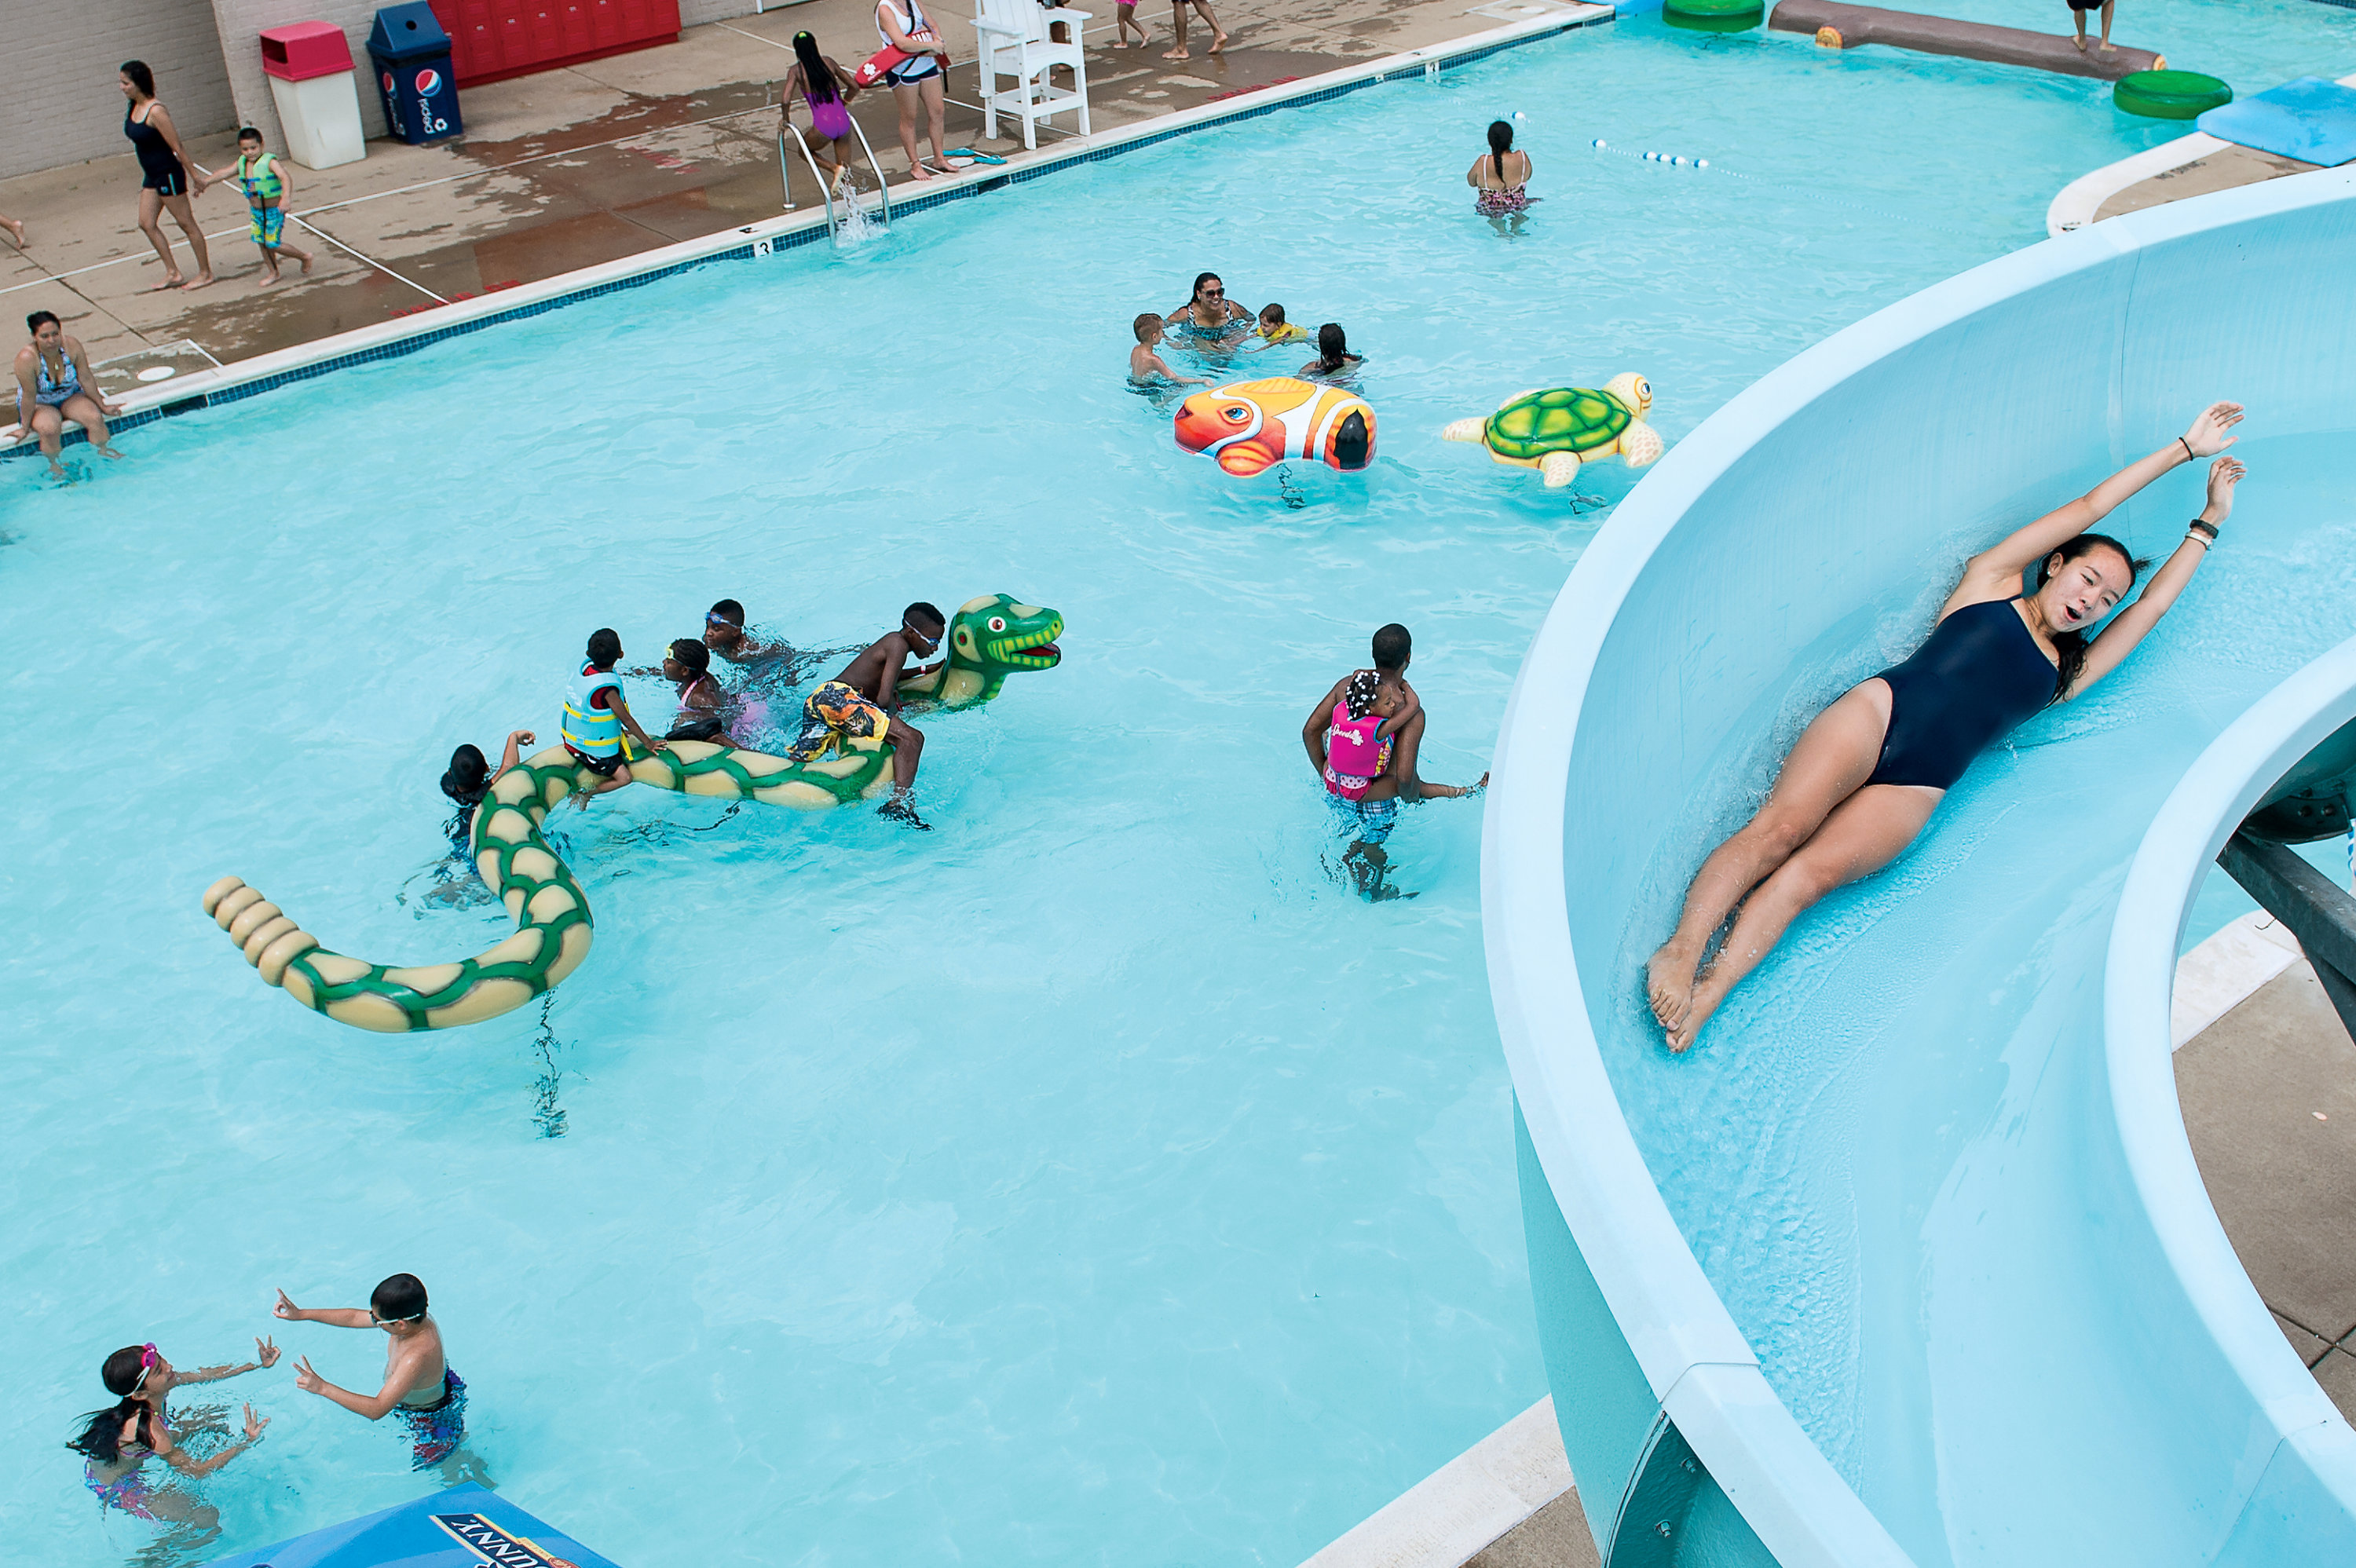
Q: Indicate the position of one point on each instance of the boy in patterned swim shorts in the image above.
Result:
(420, 1385)
(856, 709)
(267, 187)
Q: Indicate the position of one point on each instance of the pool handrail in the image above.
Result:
(1694, 1357)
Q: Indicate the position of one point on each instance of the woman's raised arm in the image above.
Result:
(2205, 437)
(2115, 641)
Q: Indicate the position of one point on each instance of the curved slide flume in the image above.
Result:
(1908, 1260)
(987, 639)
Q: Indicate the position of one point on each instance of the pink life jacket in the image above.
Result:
(1354, 759)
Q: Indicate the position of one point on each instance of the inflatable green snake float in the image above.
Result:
(988, 640)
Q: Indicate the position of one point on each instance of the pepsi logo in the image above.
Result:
(387, 82)
(429, 82)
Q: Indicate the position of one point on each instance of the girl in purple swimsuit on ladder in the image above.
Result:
(1868, 772)
(828, 88)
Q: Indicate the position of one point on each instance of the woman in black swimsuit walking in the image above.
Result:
(164, 176)
(1868, 772)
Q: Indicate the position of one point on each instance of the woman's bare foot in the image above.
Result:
(1704, 1000)
(15, 226)
(201, 280)
(104, 451)
(1669, 983)
(171, 280)
(1179, 53)
(1218, 43)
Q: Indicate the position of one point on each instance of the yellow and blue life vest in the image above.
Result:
(592, 732)
(260, 182)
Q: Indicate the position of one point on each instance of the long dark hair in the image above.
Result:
(1333, 346)
(817, 81)
(1202, 278)
(102, 1438)
(1501, 142)
(2071, 646)
(141, 77)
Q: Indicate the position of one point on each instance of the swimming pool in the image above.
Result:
(1090, 1179)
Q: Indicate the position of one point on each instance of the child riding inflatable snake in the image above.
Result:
(990, 639)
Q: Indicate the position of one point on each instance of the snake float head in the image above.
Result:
(988, 639)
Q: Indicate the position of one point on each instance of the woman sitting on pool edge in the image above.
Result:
(1870, 769)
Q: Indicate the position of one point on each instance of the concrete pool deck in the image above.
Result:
(2191, 165)
(594, 164)
(2266, 1076)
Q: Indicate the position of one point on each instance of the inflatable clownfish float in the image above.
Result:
(1252, 426)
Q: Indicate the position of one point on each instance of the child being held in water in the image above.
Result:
(1274, 329)
(1144, 364)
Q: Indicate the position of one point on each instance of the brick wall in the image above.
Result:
(59, 103)
(242, 21)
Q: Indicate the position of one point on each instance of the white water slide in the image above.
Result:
(1908, 1260)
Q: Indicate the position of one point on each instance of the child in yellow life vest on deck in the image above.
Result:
(267, 187)
(595, 717)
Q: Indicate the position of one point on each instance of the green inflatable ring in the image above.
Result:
(2170, 94)
(1714, 15)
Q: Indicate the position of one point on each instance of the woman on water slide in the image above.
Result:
(1867, 774)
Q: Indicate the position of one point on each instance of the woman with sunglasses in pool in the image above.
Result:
(117, 1442)
(1210, 319)
(1870, 769)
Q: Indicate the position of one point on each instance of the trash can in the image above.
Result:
(310, 71)
(411, 56)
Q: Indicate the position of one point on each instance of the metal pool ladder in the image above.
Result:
(826, 192)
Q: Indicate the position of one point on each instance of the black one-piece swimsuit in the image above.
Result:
(1981, 674)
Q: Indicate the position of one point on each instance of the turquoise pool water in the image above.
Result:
(1093, 1180)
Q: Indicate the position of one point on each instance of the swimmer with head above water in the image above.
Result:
(1867, 774)
(1210, 316)
(1333, 357)
(470, 778)
(420, 1387)
(117, 1441)
(705, 706)
(1145, 361)
(1363, 738)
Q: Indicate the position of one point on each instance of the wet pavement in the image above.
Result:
(599, 162)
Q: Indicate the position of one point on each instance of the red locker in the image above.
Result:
(493, 40)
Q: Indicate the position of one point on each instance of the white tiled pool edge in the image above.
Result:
(801, 226)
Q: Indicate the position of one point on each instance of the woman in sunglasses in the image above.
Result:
(117, 1442)
(1210, 318)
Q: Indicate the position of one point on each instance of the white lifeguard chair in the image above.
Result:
(1014, 42)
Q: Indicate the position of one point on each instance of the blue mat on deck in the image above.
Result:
(462, 1528)
(2311, 120)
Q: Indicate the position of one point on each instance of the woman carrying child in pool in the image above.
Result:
(1870, 769)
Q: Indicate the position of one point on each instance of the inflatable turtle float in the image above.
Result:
(1556, 430)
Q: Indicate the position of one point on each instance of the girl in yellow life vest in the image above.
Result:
(595, 717)
(267, 187)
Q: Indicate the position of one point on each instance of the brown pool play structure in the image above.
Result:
(1841, 26)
